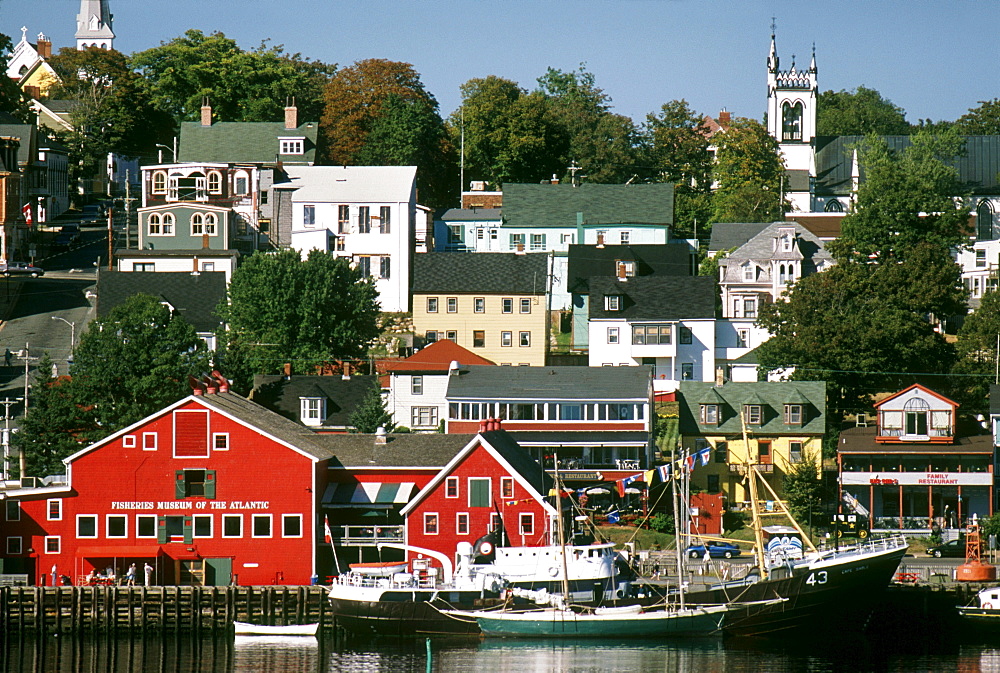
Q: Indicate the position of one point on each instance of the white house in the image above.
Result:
(368, 214)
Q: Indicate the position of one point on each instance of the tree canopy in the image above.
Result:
(857, 113)
(981, 121)
(243, 86)
(371, 414)
(749, 172)
(378, 113)
(283, 309)
(12, 100)
(977, 353)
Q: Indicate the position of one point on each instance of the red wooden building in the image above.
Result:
(212, 490)
(490, 477)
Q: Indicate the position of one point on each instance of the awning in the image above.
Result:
(367, 495)
(118, 552)
(180, 552)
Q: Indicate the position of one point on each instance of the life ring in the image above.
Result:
(987, 606)
(553, 571)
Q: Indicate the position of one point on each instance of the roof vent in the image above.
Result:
(454, 368)
(380, 436)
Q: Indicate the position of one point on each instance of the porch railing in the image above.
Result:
(366, 536)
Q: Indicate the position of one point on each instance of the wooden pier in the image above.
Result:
(160, 609)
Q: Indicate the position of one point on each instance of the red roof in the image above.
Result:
(437, 357)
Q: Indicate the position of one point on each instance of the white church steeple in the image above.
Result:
(93, 25)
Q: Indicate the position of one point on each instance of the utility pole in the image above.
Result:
(22, 463)
(7, 402)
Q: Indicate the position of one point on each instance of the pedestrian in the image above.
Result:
(7, 356)
(706, 561)
(130, 576)
(55, 576)
(148, 570)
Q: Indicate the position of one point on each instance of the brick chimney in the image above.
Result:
(206, 113)
(33, 92)
(291, 115)
(44, 46)
(725, 118)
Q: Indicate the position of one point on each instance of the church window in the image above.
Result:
(984, 222)
(791, 121)
(833, 206)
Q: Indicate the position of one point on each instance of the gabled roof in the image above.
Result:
(194, 296)
(862, 440)
(810, 251)
(587, 261)
(351, 184)
(916, 386)
(282, 394)
(240, 409)
(518, 463)
(420, 450)
(551, 383)
(978, 167)
(436, 357)
(482, 273)
(244, 142)
(772, 395)
(27, 134)
(534, 205)
(655, 298)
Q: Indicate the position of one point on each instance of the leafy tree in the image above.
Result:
(377, 112)
(600, 142)
(111, 112)
(749, 172)
(55, 426)
(907, 199)
(859, 112)
(981, 121)
(977, 353)
(134, 361)
(371, 414)
(803, 489)
(243, 86)
(282, 309)
(509, 134)
(676, 150)
(12, 100)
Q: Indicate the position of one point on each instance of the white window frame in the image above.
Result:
(138, 535)
(451, 305)
(58, 544)
(292, 517)
(214, 182)
(211, 526)
(417, 384)
(128, 442)
(525, 305)
(437, 523)
(709, 414)
(222, 530)
(479, 305)
(793, 414)
(291, 146)
(148, 445)
(506, 339)
(504, 483)
(254, 518)
(432, 304)
(308, 215)
(524, 339)
(457, 483)
(107, 526)
(216, 436)
(158, 183)
(613, 335)
(48, 509)
(417, 415)
(749, 273)
(311, 410)
(521, 518)
(625, 236)
(460, 518)
(612, 302)
(507, 305)
(81, 517)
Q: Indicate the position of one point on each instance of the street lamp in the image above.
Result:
(72, 335)
(173, 151)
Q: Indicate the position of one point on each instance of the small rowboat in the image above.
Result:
(379, 569)
(245, 629)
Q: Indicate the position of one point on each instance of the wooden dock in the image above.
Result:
(160, 609)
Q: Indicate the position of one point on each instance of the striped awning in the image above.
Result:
(373, 494)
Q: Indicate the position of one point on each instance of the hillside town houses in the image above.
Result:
(549, 328)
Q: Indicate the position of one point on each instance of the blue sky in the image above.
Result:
(933, 58)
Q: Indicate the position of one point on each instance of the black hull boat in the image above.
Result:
(830, 590)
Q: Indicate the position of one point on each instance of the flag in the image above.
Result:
(690, 463)
(648, 477)
(620, 485)
(664, 471)
(613, 516)
(327, 535)
(26, 211)
(705, 454)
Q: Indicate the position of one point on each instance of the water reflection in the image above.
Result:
(223, 654)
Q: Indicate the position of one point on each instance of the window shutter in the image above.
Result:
(188, 530)
(210, 484)
(161, 529)
(179, 486)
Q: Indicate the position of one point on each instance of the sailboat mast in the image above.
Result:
(677, 537)
(758, 532)
(562, 533)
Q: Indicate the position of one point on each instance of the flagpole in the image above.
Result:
(329, 538)
(677, 540)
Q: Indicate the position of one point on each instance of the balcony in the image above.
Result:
(741, 469)
(366, 536)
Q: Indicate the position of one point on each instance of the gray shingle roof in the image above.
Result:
(551, 383)
(195, 297)
(273, 424)
(400, 450)
(735, 394)
(244, 142)
(979, 167)
(655, 298)
(810, 251)
(862, 440)
(729, 235)
(558, 205)
(519, 459)
(342, 396)
(469, 215)
(587, 261)
(485, 273)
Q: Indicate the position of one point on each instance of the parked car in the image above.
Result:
(953, 549)
(21, 269)
(65, 239)
(92, 216)
(715, 550)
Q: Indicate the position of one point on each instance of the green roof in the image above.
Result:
(772, 396)
(531, 205)
(245, 142)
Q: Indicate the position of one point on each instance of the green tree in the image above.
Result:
(55, 427)
(12, 100)
(981, 121)
(243, 86)
(675, 143)
(509, 134)
(977, 354)
(283, 309)
(859, 112)
(601, 143)
(134, 361)
(803, 489)
(749, 172)
(371, 414)
(378, 113)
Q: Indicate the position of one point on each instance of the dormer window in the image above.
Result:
(188, 187)
(159, 182)
(292, 145)
(311, 410)
(749, 273)
(709, 414)
(793, 414)
(754, 414)
(215, 182)
(625, 269)
(612, 302)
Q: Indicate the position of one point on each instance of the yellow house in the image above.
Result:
(785, 424)
(494, 304)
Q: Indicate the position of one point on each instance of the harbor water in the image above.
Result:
(192, 654)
